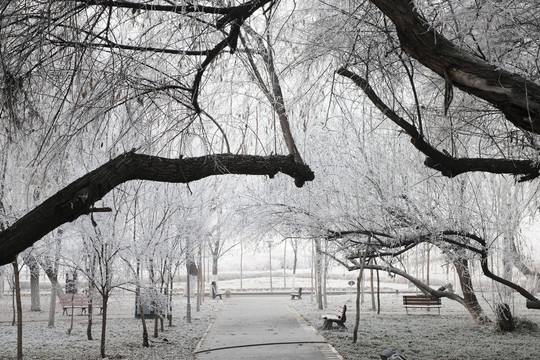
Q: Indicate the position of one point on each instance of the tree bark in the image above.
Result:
(448, 165)
(358, 290)
(505, 320)
(470, 300)
(318, 273)
(515, 96)
(215, 257)
(19, 309)
(34, 283)
(103, 340)
(79, 197)
(52, 273)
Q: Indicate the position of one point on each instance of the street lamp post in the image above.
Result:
(270, 251)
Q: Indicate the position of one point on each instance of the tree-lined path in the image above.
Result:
(261, 327)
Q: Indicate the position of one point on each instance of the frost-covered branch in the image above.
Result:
(442, 161)
(79, 197)
(515, 96)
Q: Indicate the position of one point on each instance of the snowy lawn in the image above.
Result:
(124, 332)
(425, 335)
(422, 335)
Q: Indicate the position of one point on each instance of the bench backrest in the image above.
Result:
(75, 300)
(97, 301)
(420, 300)
(343, 315)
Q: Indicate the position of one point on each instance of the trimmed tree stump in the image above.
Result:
(505, 320)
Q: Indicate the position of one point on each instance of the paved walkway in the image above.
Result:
(262, 327)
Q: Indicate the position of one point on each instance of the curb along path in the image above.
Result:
(262, 327)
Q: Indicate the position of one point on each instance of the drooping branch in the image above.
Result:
(448, 165)
(515, 96)
(232, 16)
(274, 92)
(393, 247)
(79, 197)
(236, 19)
(421, 285)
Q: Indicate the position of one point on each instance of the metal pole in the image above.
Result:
(270, 250)
(285, 263)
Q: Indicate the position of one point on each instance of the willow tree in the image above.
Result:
(460, 78)
(97, 83)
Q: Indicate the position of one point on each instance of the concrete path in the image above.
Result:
(262, 327)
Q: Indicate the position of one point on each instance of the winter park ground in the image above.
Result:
(421, 335)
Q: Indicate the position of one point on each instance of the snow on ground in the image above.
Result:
(124, 332)
(422, 335)
(425, 335)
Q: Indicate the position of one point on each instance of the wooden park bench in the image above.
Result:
(74, 302)
(422, 302)
(80, 302)
(297, 295)
(338, 319)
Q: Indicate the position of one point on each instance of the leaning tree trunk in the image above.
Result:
(79, 197)
(358, 291)
(139, 304)
(514, 95)
(469, 296)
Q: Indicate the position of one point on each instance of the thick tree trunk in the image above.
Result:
(215, 259)
(469, 296)
(517, 97)
(505, 320)
(52, 274)
(52, 304)
(79, 197)
(34, 283)
(441, 161)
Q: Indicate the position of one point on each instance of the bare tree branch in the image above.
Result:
(515, 96)
(78, 198)
(448, 165)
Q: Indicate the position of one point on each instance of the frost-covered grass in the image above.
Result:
(425, 335)
(422, 335)
(124, 332)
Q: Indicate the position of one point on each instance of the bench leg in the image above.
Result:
(327, 325)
